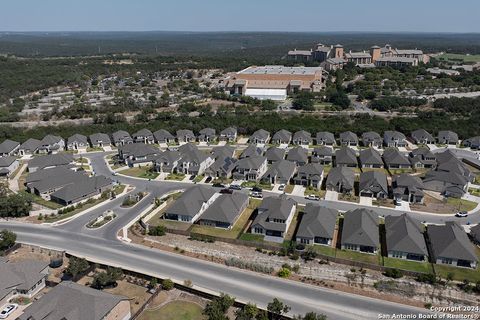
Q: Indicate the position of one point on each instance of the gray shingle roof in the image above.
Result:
(251, 151)
(348, 136)
(303, 136)
(405, 234)
(22, 275)
(370, 156)
(421, 135)
(393, 136)
(97, 138)
(230, 131)
(447, 136)
(30, 145)
(274, 208)
(345, 156)
(52, 160)
(394, 157)
(260, 135)
(282, 169)
(451, 241)
(50, 139)
(341, 175)
(323, 151)
(7, 161)
(138, 150)
(191, 201)
(297, 154)
(8, 146)
(162, 134)
(226, 208)
(475, 233)
(371, 137)
(77, 138)
(72, 301)
(311, 170)
(47, 182)
(326, 137)
(82, 188)
(223, 151)
(275, 154)
(283, 136)
(182, 134)
(374, 181)
(121, 135)
(360, 227)
(317, 221)
(251, 163)
(207, 132)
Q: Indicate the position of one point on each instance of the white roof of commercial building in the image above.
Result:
(281, 70)
(273, 94)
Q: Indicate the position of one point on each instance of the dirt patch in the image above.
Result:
(433, 205)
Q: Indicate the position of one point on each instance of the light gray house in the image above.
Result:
(298, 155)
(373, 184)
(223, 152)
(51, 144)
(408, 188)
(275, 154)
(194, 162)
(421, 136)
(348, 139)
(100, 140)
(8, 164)
(49, 181)
(143, 136)
(473, 143)
(191, 204)
(447, 137)
(137, 154)
(207, 135)
(370, 158)
(475, 234)
(281, 172)
(282, 137)
(260, 137)
(322, 155)
(302, 137)
(346, 157)
(309, 175)
(225, 210)
(394, 159)
(422, 158)
(341, 179)
(372, 139)
(163, 136)
(450, 245)
(77, 142)
(360, 231)
(228, 134)
(82, 190)
(250, 169)
(251, 151)
(49, 161)
(394, 139)
(404, 238)
(8, 148)
(121, 138)
(185, 136)
(29, 147)
(223, 167)
(324, 138)
(317, 225)
(166, 161)
(449, 184)
(274, 216)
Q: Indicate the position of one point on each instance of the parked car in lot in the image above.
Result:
(8, 310)
(192, 177)
(218, 185)
(312, 197)
(461, 214)
(255, 194)
(235, 187)
(281, 187)
(226, 191)
(208, 179)
(257, 189)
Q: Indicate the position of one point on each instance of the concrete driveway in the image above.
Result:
(366, 201)
(331, 195)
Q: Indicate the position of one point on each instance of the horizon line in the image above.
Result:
(241, 31)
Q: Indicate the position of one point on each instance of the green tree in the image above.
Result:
(7, 239)
(108, 278)
(76, 266)
(277, 308)
(248, 312)
(218, 307)
(167, 284)
(311, 316)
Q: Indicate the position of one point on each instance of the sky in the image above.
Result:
(241, 15)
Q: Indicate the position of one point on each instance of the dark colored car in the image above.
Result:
(257, 189)
(192, 177)
(218, 185)
(226, 191)
(208, 179)
(235, 187)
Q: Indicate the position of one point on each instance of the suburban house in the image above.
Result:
(322, 155)
(223, 167)
(143, 136)
(373, 184)
(72, 301)
(29, 147)
(394, 139)
(49, 161)
(303, 138)
(77, 142)
(372, 139)
(259, 137)
(274, 216)
(121, 138)
(225, 210)
(475, 234)
(473, 143)
(282, 137)
(166, 161)
(449, 184)
(348, 139)
(21, 279)
(191, 204)
(275, 154)
(346, 157)
(228, 134)
(250, 169)
(447, 161)
(100, 140)
(447, 137)
(309, 175)
(8, 165)
(360, 231)
(163, 136)
(82, 189)
(370, 158)
(281, 172)
(421, 136)
(185, 136)
(137, 154)
(325, 139)
(422, 158)
(51, 144)
(194, 162)
(394, 159)
(251, 151)
(341, 179)
(450, 245)
(408, 188)
(298, 155)
(223, 152)
(8, 148)
(207, 135)
(317, 225)
(404, 238)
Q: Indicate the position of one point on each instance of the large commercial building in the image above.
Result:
(275, 82)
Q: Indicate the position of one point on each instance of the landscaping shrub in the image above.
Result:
(257, 267)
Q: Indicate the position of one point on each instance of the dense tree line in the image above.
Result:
(7, 240)
(14, 204)
(464, 106)
(395, 103)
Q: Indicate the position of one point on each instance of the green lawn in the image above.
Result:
(459, 274)
(224, 233)
(175, 176)
(140, 172)
(458, 57)
(325, 250)
(424, 267)
(175, 310)
(289, 188)
(81, 160)
(461, 204)
(475, 192)
(318, 193)
(358, 256)
(251, 184)
(48, 204)
(251, 237)
(85, 206)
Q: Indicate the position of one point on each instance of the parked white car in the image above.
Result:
(312, 197)
(8, 310)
